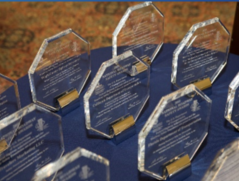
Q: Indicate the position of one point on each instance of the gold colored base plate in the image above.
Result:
(122, 125)
(68, 98)
(147, 60)
(3, 145)
(203, 84)
(178, 165)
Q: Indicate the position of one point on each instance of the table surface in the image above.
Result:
(123, 157)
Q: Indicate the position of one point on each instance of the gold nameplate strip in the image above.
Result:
(3, 145)
(68, 98)
(147, 60)
(178, 165)
(203, 84)
(122, 125)
(140, 67)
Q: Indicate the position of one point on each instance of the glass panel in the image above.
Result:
(201, 54)
(119, 89)
(37, 142)
(177, 127)
(232, 105)
(225, 164)
(61, 65)
(140, 30)
(79, 164)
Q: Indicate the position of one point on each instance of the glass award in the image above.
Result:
(117, 95)
(232, 105)
(173, 134)
(60, 70)
(225, 164)
(36, 139)
(141, 30)
(78, 165)
(9, 97)
(201, 55)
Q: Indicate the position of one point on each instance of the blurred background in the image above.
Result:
(24, 25)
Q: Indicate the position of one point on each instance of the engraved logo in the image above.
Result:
(75, 47)
(99, 89)
(148, 47)
(153, 19)
(195, 106)
(86, 172)
(41, 125)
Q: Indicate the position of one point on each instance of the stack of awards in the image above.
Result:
(31, 139)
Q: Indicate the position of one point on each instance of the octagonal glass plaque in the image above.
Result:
(36, 142)
(202, 54)
(177, 127)
(9, 97)
(60, 70)
(119, 91)
(78, 165)
(225, 164)
(140, 30)
(232, 105)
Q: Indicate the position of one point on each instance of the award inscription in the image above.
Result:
(140, 31)
(202, 53)
(181, 118)
(175, 129)
(117, 95)
(36, 143)
(61, 65)
(120, 90)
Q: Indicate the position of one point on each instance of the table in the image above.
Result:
(123, 157)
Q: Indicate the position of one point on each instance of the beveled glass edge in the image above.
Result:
(95, 81)
(54, 167)
(230, 100)
(17, 117)
(235, 82)
(153, 120)
(38, 58)
(219, 159)
(124, 19)
(184, 41)
(92, 87)
(15, 89)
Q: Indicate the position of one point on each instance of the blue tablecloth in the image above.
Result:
(123, 157)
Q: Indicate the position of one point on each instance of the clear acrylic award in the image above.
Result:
(78, 165)
(232, 105)
(60, 70)
(117, 95)
(140, 30)
(173, 134)
(9, 97)
(201, 55)
(29, 139)
(225, 164)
